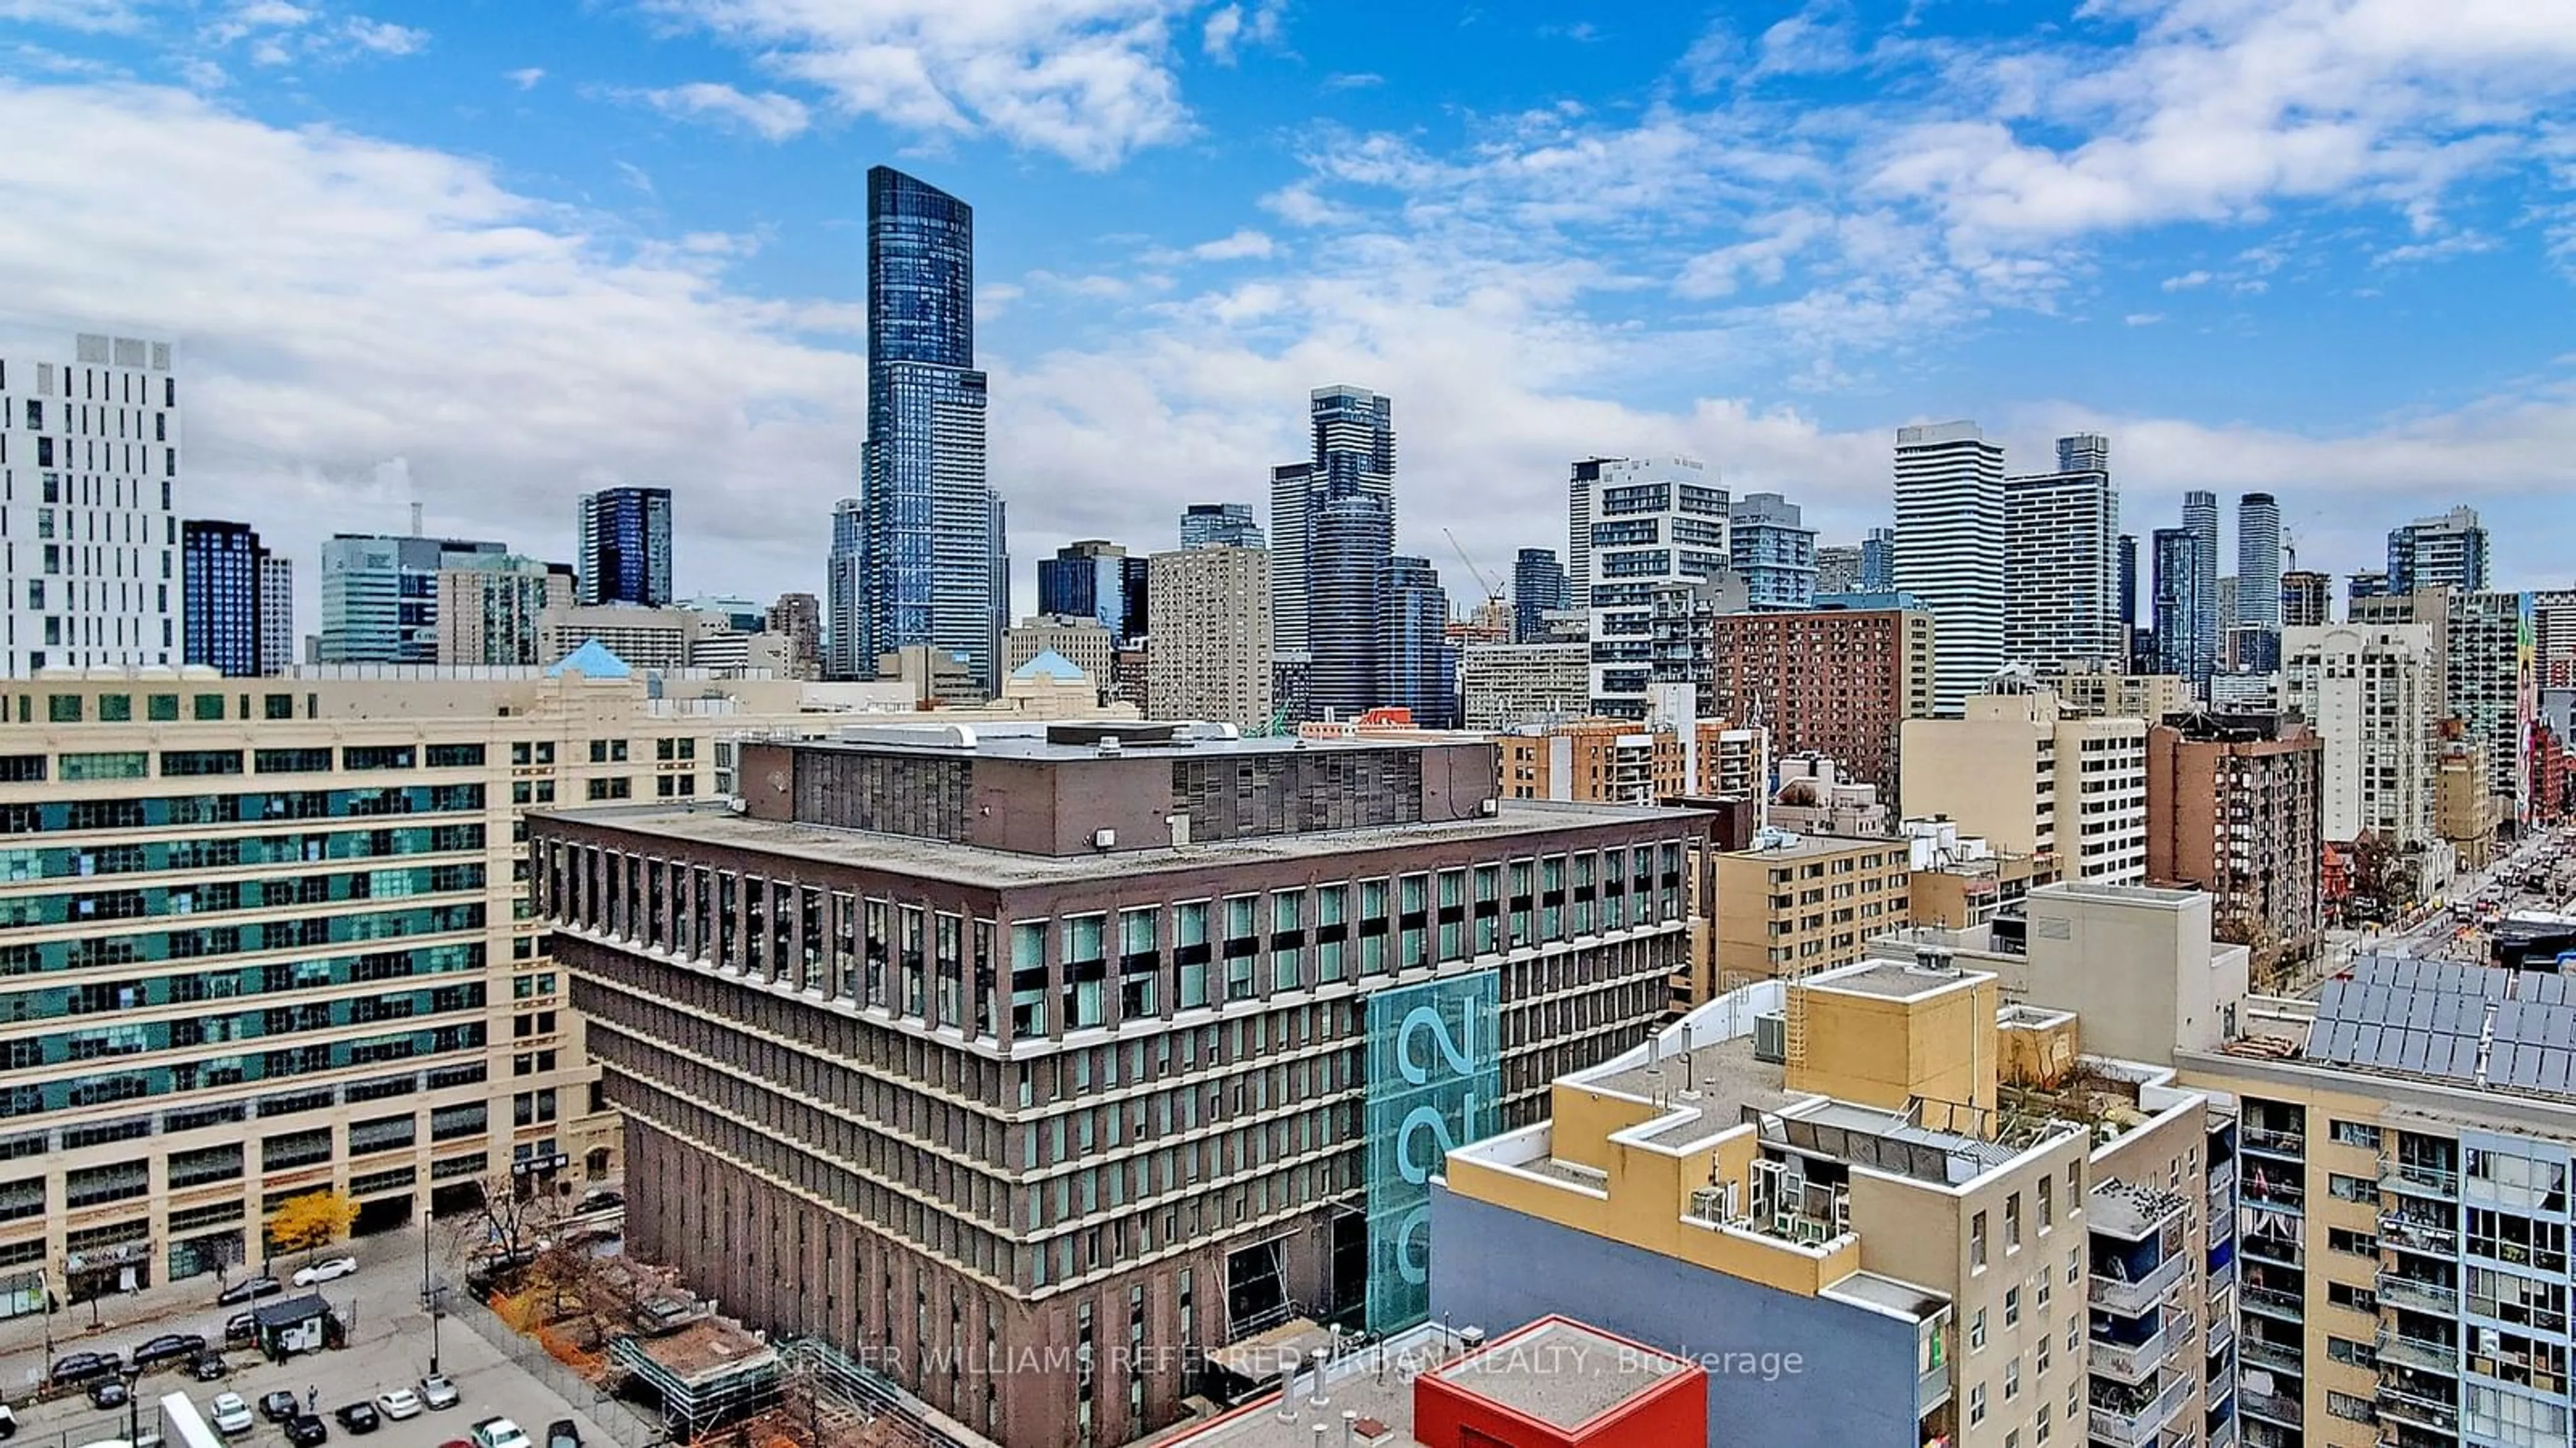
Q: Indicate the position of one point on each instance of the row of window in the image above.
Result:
(197, 855)
(82, 1092)
(220, 896)
(913, 961)
(250, 807)
(135, 1038)
(94, 952)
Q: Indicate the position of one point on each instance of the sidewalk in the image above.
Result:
(127, 1318)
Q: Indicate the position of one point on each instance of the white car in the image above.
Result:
(231, 1414)
(437, 1391)
(398, 1403)
(328, 1270)
(500, 1433)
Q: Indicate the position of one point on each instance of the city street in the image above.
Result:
(389, 1347)
(2435, 931)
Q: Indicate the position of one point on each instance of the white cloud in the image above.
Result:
(2143, 319)
(385, 38)
(769, 115)
(385, 302)
(1354, 80)
(106, 15)
(2465, 243)
(1298, 204)
(1223, 30)
(2220, 109)
(275, 33)
(1088, 80)
(2188, 281)
(391, 322)
(1243, 245)
(525, 78)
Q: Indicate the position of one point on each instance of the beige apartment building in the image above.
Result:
(267, 936)
(1970, 1222)
(1797, 904)
(2036, 778)
(2404, 1175)
(2133, 696)
(1506, 686)
(1210, 654)
(1086, 643)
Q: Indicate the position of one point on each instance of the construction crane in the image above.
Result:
(1493, 590)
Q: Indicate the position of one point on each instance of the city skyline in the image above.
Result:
(1272, 229)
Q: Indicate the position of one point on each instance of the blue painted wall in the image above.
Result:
(1497, 1269)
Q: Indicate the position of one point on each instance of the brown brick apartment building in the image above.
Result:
(1068, 1053)
(1838, 682)
(2232, 807)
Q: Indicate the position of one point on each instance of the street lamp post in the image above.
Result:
(429, 1294)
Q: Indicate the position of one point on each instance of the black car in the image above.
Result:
(281, 1407)
(169, 1347)
(249, 1289)
(209, 1367)
(358, 1417)
(306, 1431)
(72, 1369)
(241, 1327)
(109, 1393)
(562, 1434)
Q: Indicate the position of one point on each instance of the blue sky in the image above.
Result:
(486, 253)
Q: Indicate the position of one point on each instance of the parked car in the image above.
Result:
(602, 1199)
(209, 1367)
(249, 1289)
(281, 1407)
(8, 1422)
(241, 1327)
(306, 1431)
(80, 1367)
(562, 1434)
(437, 1392)
(329, 1269)
(398, 1403)
(169, 1347)
(109, 1393)
(500, 1433)
(232, 1415)
(358, 1417)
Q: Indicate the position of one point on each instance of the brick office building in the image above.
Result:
(1091, 1050)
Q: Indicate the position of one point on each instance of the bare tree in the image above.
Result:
(508, 1229)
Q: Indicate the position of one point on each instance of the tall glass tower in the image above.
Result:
(2200, 520)
(931, 564)
(2258, 561)
(221, 568)
(626, 546)
(1350, 539)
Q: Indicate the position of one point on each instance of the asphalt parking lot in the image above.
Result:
(389, 1347)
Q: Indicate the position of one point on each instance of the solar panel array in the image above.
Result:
(2428, 1018)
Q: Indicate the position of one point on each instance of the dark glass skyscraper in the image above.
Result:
(1412, 644)
(626, 546)
(1086, 580)
(933, 568)
(1878, 561)
(1227, 524)
(1349, 539)
(2179, 568)
(221, 573)
(1538, 589)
